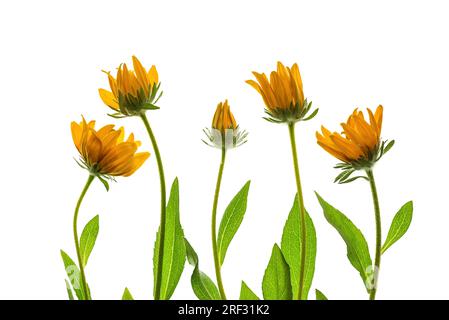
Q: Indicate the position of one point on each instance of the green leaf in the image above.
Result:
(320, 295)
(232, 218)
(399, 225)
(88, 238)
(174, 246)
(74, 275)
(276, 283)
(291, 249)
(203, 287)
(357, 248)
(246, 293)
(69, 290)
(127, 295)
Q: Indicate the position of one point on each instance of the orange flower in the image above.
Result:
(283, 94)
(360, 143)
(225, 132)
(132, 91)
(105, 153)
(223, 118)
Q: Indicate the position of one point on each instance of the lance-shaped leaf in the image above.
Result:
(74, 275)
(292, 249)
(88, 238)
(127, 295)
(203, 287)
(320, 295)
(174, 254)
(246, 293)
(399, 225)
(69, 290)
(276, 284)
(356, 245)
(231, 221)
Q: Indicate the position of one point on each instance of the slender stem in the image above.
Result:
(370, 174)
(75, 234)
(158, 280)
(214, 221)
(302, 210)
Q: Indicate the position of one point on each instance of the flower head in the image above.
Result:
(223, 118)
(225, 130)
(104, 152)
(359, 146)
(283, 95)
(132, 91)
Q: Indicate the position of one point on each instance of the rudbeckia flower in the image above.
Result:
(225, 130)
(359, 146)
(105, 152)
(223, 118)
(283, 94)
(132, 91)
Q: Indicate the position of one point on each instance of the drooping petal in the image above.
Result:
(351, 150)
(113, 84)
(77, 133)
(266, 89)
(337, 154)
(255, 85)
(137, 161)
(108, 99)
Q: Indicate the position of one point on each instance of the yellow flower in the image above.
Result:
(283, 94)
(132, 91)
(105, 153)
(223, 118)
(360, 143)
(225, 132)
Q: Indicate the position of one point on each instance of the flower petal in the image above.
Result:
(153, 76)
(108, 99)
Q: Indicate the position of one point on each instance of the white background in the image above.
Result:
(351, 54)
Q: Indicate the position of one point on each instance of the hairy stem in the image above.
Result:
(158, 280)
(302, 211)
(376, 270)
(75, 234)
(214, 221)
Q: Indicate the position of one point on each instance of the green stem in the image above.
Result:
(75, 234)
(302, 210)
(370, 175)
(214, 221)
(158, 280)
